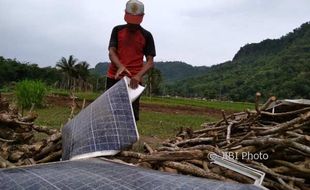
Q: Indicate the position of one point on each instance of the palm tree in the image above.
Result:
(68, 68)
(82, 73)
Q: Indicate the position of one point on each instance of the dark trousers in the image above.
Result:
(135, 105)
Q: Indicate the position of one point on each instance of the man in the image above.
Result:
(128, 45)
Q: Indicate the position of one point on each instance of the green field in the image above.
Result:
(151, 123)
(219, 105)
(89, 96)
(163, 125)
(173, 101)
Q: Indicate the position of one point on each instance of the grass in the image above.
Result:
(164, 125)
(89, 96)
(220, 105)
(53, 116)
(153, 124)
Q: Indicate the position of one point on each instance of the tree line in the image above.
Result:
(12, 70)
(68, 73)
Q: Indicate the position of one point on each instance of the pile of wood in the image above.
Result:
(24, 143)
(275, 143)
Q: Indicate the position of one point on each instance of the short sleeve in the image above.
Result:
(113, 39)
(149, 49)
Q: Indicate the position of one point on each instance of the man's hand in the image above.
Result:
(120, 70)
(134, 82)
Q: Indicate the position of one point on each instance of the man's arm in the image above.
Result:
(115, 60)
(135, 80)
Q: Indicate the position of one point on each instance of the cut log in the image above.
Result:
(232, 175)
(194, 141)
(55, 156)
(286, 125)
(5, 163)
(148, 148)
(276, 141)
(54, 137)
(44, 129)
(194, 170)
(50, 148)
(29, 118)
(16, 156)
(164, 156)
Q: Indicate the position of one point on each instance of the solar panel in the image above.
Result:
(95, 173)
(103, 128)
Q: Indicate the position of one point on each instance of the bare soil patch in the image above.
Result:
(185, 110)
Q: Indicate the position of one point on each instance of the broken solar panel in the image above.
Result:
(103, 128)
(95, 173)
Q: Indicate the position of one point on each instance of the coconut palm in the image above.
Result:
(82, 73)
(68, 69)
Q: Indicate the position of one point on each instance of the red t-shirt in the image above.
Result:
(131, 47)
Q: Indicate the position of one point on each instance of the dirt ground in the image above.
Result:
(186, 110)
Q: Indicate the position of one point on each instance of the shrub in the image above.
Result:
(30, 92)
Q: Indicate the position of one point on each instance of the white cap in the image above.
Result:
(134, 7)
(134, 12)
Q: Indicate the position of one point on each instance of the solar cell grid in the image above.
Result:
(95, 173)
(103, 128)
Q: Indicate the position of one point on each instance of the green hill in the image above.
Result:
(278, 67)
(100, 69)
(171, 71)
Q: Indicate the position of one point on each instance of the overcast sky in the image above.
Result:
(198, 32)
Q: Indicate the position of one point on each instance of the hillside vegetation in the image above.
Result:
(171, 71)
(278, 67)
(12, 70)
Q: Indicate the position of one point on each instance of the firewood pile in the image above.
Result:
(274, 141)
(20, 142)
(277, 144)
